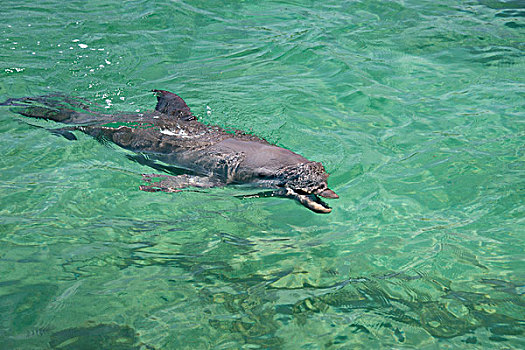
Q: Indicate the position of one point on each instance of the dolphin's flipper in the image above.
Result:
(170, 169)
(172, 105)
(170, 183)
(64, 132)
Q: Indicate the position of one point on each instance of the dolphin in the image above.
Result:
(209, 156)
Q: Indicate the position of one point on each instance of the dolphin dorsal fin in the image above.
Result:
(172, 105)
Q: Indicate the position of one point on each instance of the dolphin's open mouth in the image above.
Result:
(311, 201)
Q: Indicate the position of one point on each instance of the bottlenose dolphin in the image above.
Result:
(211, 155)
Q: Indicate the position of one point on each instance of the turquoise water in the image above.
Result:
(416, 108)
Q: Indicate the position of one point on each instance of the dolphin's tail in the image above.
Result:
(58, 108)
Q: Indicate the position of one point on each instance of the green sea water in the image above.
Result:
(416, 108)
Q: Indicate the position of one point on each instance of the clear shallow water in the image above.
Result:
(415, 108)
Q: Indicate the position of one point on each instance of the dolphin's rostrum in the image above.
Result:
(171, 134)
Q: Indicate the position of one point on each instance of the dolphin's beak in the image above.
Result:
(328, 193)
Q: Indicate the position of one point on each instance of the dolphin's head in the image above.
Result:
(306, 182)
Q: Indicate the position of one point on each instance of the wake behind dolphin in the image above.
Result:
(212, 155)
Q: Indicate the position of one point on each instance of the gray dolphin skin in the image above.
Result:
(209, 156)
